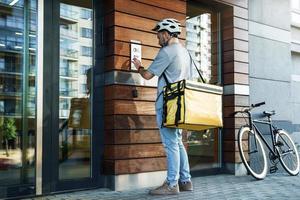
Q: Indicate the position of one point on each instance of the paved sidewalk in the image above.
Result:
(275, 186)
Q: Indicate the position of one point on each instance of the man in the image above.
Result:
(174, 61)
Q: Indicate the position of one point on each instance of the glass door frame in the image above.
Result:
(49, 174)
(217, 9)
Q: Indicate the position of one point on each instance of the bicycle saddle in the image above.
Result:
(269, 113)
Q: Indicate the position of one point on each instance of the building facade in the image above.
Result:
(75, 115)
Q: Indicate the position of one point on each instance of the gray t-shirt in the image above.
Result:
(175, 62)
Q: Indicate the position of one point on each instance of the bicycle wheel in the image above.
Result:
(288, 154)
(253, 155)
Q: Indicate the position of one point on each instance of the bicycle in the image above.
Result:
(282, 147)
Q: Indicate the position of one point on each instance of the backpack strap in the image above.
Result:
(202, 79)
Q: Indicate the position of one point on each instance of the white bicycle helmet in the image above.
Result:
(168, 24)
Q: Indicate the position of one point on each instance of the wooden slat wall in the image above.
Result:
(235, 71)
(132, 140)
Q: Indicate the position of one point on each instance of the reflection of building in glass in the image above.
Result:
(198, 42)
(75, 54)
(12, 70)
(17, 90)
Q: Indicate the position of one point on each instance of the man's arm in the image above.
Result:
(145, 73)
(141, 70)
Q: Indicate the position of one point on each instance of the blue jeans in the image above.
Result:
(177, 159)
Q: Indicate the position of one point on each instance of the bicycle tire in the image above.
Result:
(254, 153)
(287, 151)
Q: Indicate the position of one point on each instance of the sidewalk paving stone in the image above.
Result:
(224, 186)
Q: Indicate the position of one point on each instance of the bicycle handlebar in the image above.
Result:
(258, 104)
(252, 106)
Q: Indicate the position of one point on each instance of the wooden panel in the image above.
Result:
(235, 11)
(227, 34)
(240, 12)
(235, 22)
(241, 45)
(233, 145)
(121, 63)
(116, 107)
(130, 122)
(134, 22)
(232, 157)
(138, 23)
(235, 100)
(134, 165)
(125, 34)
(123, 49)
(241, 3)
(147, 11)
(125, 92)
(235, 44)
(173, 5)
(240, 56)
(238, 67)
(230, 134)
(229, 110)
(240, 34)
(228, 45)
(133, 151)
(231, 33)
(227, 13)
(131, 136)
(236, 78)
(230, 122)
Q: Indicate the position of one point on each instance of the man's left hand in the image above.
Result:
(136, 63)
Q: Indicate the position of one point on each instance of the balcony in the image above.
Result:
(68, 33)
(67, 15)
(70, 53)
(66, 72)
(64, 92)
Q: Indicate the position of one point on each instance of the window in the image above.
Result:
(83, 69)
(2, 64)
(86, 51)
(86, 14)
(200, 42)
(83, 88)
(1, 106)
(2, 20)
(86, 33)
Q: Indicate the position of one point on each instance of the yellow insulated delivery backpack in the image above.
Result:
(192, 105)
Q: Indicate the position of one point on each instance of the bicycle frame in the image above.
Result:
(272, 131)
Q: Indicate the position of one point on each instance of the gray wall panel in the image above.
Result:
(295, 92)
(269, 59)
(296, 115)
(276, 94)
(272, 12)
(296, 63)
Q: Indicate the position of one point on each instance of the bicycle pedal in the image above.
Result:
(273, 169)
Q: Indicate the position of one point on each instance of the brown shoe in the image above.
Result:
(187, 186)
(165, 189)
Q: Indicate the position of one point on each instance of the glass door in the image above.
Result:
(18, 28)
(76, 62)
(203, 42)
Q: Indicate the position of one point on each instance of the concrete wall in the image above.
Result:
(274, 62)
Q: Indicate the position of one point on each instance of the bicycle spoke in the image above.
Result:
(288, 153)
